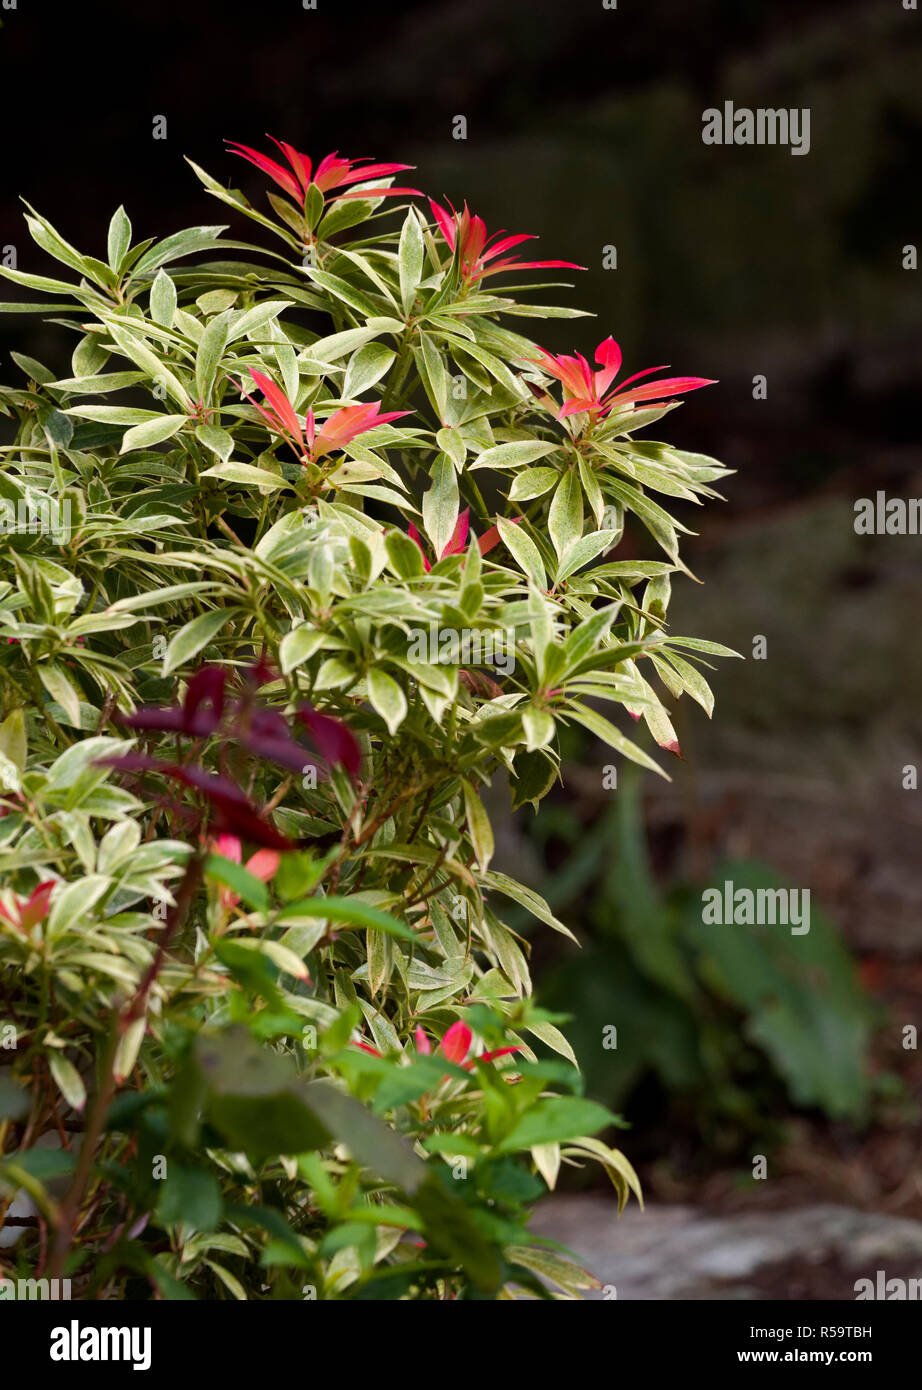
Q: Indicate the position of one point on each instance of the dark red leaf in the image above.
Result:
(334, 739)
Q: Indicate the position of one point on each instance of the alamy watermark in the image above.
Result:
(466, 647)
(37, 516)
(28, 1290)
(765, 125)
(888, 516)
(891, 1290)
(748, 907)
(76, 1343)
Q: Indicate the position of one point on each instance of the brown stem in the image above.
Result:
(279, 796)
(105, 714)
(422, 816)
(71, 1205)
(187, 890)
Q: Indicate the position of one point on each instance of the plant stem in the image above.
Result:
(99, 1110)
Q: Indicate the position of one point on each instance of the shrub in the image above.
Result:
(306, 548)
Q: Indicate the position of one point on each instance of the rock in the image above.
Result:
(678, 1252)
(22, 1207)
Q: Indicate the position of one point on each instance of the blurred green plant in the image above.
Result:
(719, 1015)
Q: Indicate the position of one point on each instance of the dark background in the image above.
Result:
(584, 125)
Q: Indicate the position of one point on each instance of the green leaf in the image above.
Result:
(191, 1196)
(297, 874)
(387, 698)
(371, 1141)
(157, 597)
(535, 774)
(352, 910)
(450, 441)
(182, 243)
(800, 998)
(251, 968)
(97, 385)
(434, 378)
(551, 1121)
(527, 898)
(539, 727)
(550, 1267)
(298, 646)
(216, 301)
(379, 949)
(252, 319)
(342, 290)
(151, 432)
(13, 744)
(244, 473)
(172, 1290)
(604, 729)
(230, 1281)
(582, 551)
(514, 455)
(452, 1228)
(33, 369)
(269, 1220)
(366, 367)
(190, 640)
(410, 254)
(45, 236)
(119, 238)
(657, 521)
(44, 1164)
(532, 482)
(114, 414)
(440, 504)
(343, 215)
(58, 428)
(552, 1038)
(60, 687)
(149, 362)
(261, 1106)
(129, 1045)
(67, 1079)
(524, 551)
(404, 554)
(37, 282)
(339, 345)
(696, 644)
(216, 440)
(618, 1167)
(251, 1097)
(690, 678)
(72, 903)
(478, 826)
(208, 356)
(14, 1101)
(565, 519)
(247, 886)
(163, 299)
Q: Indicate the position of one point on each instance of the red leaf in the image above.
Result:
(456, 1042)
(334, 739)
